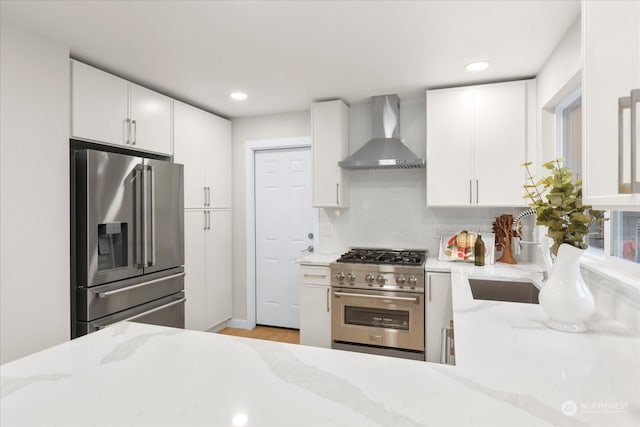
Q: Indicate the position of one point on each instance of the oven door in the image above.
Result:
(380, 318)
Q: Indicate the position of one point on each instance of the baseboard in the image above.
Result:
(239, 324)
(217, 328)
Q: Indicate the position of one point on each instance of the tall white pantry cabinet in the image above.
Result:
(202, 142)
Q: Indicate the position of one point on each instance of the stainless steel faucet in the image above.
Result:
(516, 242)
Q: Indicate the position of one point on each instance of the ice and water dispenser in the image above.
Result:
(112, 245)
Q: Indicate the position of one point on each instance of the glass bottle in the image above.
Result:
(479, 250)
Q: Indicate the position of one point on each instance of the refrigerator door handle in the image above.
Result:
(152, 231)
(139, 285)
(140, 218)
(145, 215)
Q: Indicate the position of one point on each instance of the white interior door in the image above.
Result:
(284, 219)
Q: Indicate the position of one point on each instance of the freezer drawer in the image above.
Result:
(167, 311)
(100, 301)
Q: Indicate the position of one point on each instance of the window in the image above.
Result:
(625, 235)
(623, 228)
(569, 147)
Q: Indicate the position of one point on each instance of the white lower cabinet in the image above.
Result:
(208, 268)
(439, 313)
(315, 306)
(218, 268)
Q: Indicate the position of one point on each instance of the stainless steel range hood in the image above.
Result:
(385, 150)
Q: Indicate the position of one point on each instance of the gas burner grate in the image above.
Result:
(384, 256)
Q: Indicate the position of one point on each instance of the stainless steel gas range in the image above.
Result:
(378, 302)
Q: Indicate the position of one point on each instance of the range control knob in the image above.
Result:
(351, 277)
(369, 279)
(340, 276)
(412, 282)
(380, 279)
(401, 280)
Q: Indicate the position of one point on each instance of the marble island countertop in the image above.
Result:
(511, 371)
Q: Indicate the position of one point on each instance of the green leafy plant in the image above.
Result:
(557, 200)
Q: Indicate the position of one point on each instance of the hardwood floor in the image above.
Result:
(269, 333)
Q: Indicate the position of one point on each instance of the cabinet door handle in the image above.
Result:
(337, 194)
(315, 276)
(443, 345)
(635, 183)
(624, 103)
(430, 289)
(470, 191)
(328, 291)
(204, 220)
(208, 220)
(477, 192)
(127, 131)
(208, 196)
(204, 197)
(135, 132)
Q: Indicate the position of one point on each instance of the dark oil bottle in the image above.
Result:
(479, 250)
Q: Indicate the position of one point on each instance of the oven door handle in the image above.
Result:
(346, 294)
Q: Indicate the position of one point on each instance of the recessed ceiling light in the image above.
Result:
(238, 96)
(477, 66)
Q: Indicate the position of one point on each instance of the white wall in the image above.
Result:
(34, 193)
(560, 76)
(244, 129)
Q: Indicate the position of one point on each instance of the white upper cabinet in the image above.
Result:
(110, 110)
(449, 147)
(218, 160)
(99, 105)
(188, 149)
(150, 120)
(611, 91)
(476, 144)
(202, 143)
(330, 144)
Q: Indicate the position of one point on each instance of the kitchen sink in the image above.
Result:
(503, 290)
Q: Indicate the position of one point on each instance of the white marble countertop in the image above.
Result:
(511, 371)
(318, 259)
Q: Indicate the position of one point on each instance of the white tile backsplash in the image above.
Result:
(388, 209)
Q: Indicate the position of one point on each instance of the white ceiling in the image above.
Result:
(287, 54)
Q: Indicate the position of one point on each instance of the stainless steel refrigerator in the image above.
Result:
(127, 241)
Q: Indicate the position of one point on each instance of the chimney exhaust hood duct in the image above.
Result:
(385, 150)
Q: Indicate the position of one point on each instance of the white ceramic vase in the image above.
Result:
(565, 297)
